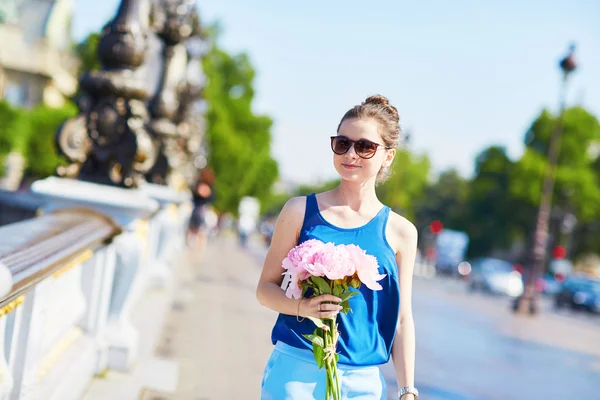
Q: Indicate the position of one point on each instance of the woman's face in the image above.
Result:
(350, 166)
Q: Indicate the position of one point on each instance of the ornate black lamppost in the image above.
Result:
(108, 142)
(123, 129)
(174, 22)
(528, 302)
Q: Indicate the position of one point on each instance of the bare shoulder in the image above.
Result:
(285, 236)
(401, 232)
(292, 214)
(294, 208)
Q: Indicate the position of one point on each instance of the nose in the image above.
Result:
(351, 153)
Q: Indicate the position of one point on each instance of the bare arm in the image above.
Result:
(268, 291)
(403, 351)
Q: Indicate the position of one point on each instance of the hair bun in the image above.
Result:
(383, 101)
(377, 99)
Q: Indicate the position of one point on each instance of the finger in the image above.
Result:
(330, 307)
(328, 297)
(327, 314)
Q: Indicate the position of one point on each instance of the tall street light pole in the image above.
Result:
(528, 302)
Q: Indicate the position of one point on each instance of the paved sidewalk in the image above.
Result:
(217, 331)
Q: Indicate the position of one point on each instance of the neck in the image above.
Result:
(356, 195)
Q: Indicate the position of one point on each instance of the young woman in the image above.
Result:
(381, 323)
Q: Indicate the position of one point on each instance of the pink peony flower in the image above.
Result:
(299, 266)
(293, 291)
(305, 251)
(334, 261)
(315, 258)
(367, 267)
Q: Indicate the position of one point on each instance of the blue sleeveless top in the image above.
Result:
(367, 332)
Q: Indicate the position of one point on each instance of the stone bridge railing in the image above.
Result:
(70, 277)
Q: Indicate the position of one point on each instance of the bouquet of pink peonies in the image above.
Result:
(328, 269)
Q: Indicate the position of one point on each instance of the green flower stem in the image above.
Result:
(328, 385)
(334, 362)
(331, 364)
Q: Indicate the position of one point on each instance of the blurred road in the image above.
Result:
(472, 347)
(468, 346)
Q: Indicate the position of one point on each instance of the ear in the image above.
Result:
(391, 153)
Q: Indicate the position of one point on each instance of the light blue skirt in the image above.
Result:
(292, 374)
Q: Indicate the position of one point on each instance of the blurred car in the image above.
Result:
(495, 276)
(579, 292)
(549, 284)
(450, 248)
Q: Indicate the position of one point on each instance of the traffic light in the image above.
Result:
(559, 252)
(436, 227)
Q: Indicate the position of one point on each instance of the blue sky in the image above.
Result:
(464, 74)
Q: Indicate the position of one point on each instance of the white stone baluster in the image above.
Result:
(29, 343)
(121, 335)
(127, 208)
(6, 379)
(97, 283)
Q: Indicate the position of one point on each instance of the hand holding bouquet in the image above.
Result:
(326, 269)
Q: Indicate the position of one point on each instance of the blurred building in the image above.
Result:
(37, 64)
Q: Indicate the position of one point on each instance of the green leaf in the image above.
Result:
(304, 289)
(321, 284)
(318, 322)
(347, 295)
(345, 307)
(337, 290)
(315, 339)
(319, 355)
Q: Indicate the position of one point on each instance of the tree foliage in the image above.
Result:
(31, 133)
(405, 187)
(445, 199)
(12, 124)
(87, 52)
(239, 140)
(576, 188)
(41, 151)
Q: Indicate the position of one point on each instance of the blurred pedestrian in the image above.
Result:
(203, 196)
(211, 219)
(381, 323)
(246, 226)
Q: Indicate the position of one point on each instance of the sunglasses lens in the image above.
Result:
(365, 148)
(340, 145)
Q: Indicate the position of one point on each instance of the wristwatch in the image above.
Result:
(407, 390)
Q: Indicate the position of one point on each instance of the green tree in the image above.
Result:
(31, 133)
(41, 152)
(404, 190)
(444, 200)
(493, 215)
(87, 51)
(577, 185)
(13, 129)
(239, 140)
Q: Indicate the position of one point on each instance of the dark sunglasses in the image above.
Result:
(364, 148)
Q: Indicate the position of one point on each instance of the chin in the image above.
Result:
(352, 176)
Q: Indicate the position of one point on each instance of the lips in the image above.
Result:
(350, 166)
